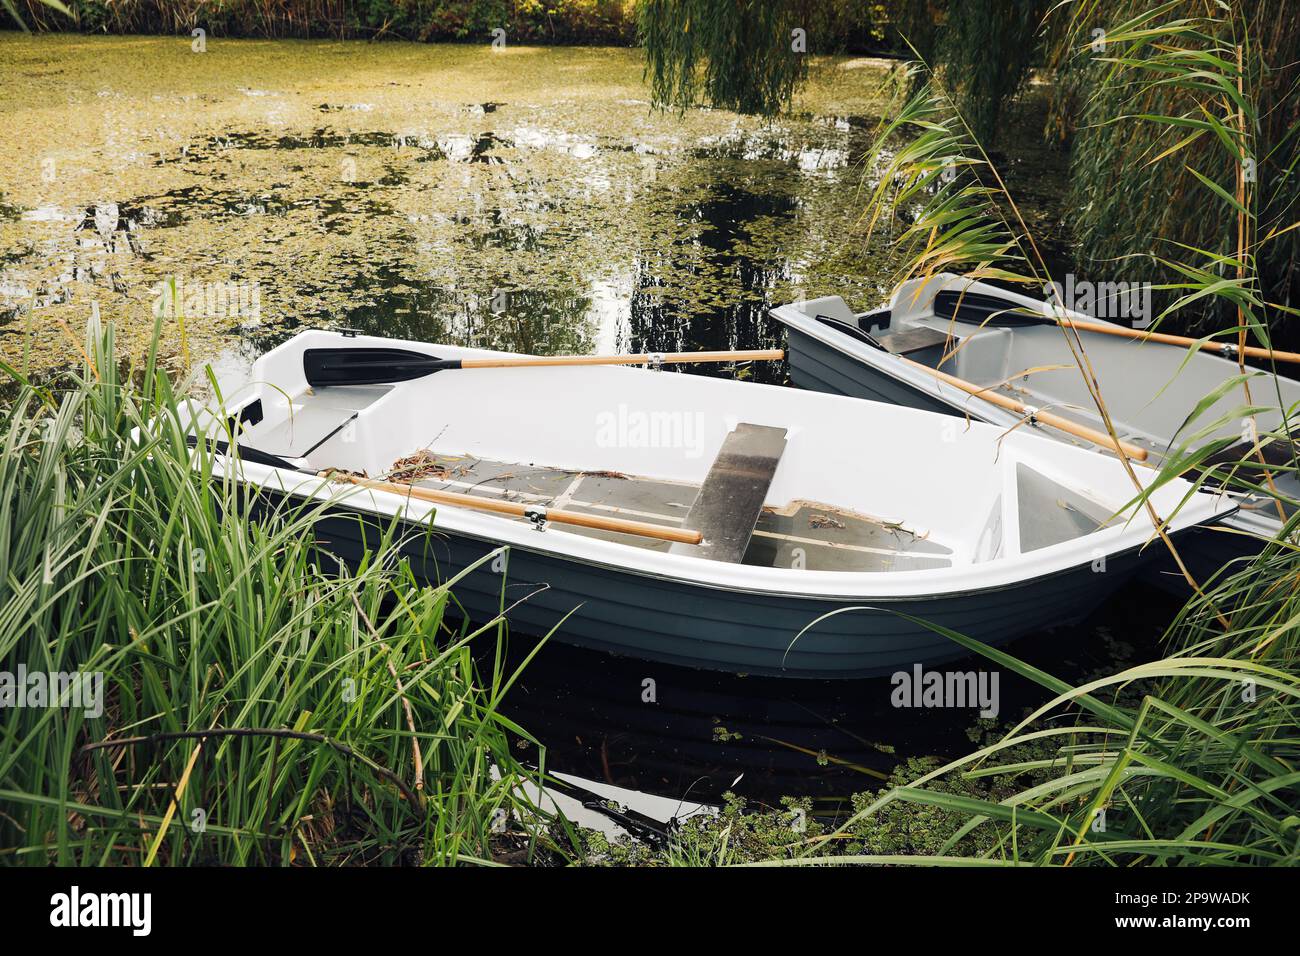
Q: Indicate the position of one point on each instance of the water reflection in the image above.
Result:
(688, 734)
(546, 233)
(712, 231)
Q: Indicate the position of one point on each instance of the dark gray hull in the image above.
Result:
(820, 368)
(620, 612)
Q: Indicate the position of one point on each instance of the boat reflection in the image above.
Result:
(694, 735)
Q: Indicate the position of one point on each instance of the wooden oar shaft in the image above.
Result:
(642, 528)
(667, 358)
(1227, 350)
(1047, 418)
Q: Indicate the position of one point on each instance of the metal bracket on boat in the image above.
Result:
(537, 516)
(1031, 414)
(1228, 349)
(655, 360)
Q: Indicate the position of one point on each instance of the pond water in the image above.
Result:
(694, 735)
(528, 200)
(525, 199)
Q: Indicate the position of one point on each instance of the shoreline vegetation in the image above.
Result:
(260, 705)
(570, 22)
(833, 26)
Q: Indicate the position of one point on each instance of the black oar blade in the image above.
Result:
(369, 366)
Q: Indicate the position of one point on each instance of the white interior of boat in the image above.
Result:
(1150, 388)
(859, 493)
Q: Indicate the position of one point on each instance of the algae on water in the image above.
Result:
(525, 199)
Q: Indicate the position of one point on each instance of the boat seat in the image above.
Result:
(318, 415)
(734, 491)
(907, 341)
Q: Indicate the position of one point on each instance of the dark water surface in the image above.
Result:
(704, 733)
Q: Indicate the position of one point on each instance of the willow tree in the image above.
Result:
(985, 49)
(750, 55)
(746, 56)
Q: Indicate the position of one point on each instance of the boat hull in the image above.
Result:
(816, 366)
(674, 622)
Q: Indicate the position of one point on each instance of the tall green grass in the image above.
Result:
(1193, 759)
(262, 706)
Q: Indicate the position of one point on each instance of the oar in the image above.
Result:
(378, 366)
(532, 512)
(996, 398)
(999, 313)
(1035, 414)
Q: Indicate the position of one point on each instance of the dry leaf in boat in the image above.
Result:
(420, 465)
(825, 521)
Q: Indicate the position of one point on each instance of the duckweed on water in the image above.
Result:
(527, 199)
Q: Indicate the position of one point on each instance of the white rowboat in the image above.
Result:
(827, 525)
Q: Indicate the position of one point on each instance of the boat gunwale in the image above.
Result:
(351, 496)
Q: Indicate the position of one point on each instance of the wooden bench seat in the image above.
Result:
(734, 491)
(911, 340)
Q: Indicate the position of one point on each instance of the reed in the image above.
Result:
(260, 704)
(1188, 760)
(1172, 98)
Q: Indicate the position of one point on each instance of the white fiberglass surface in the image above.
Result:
(885, 462)
(934, 474)
(1149, 387)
